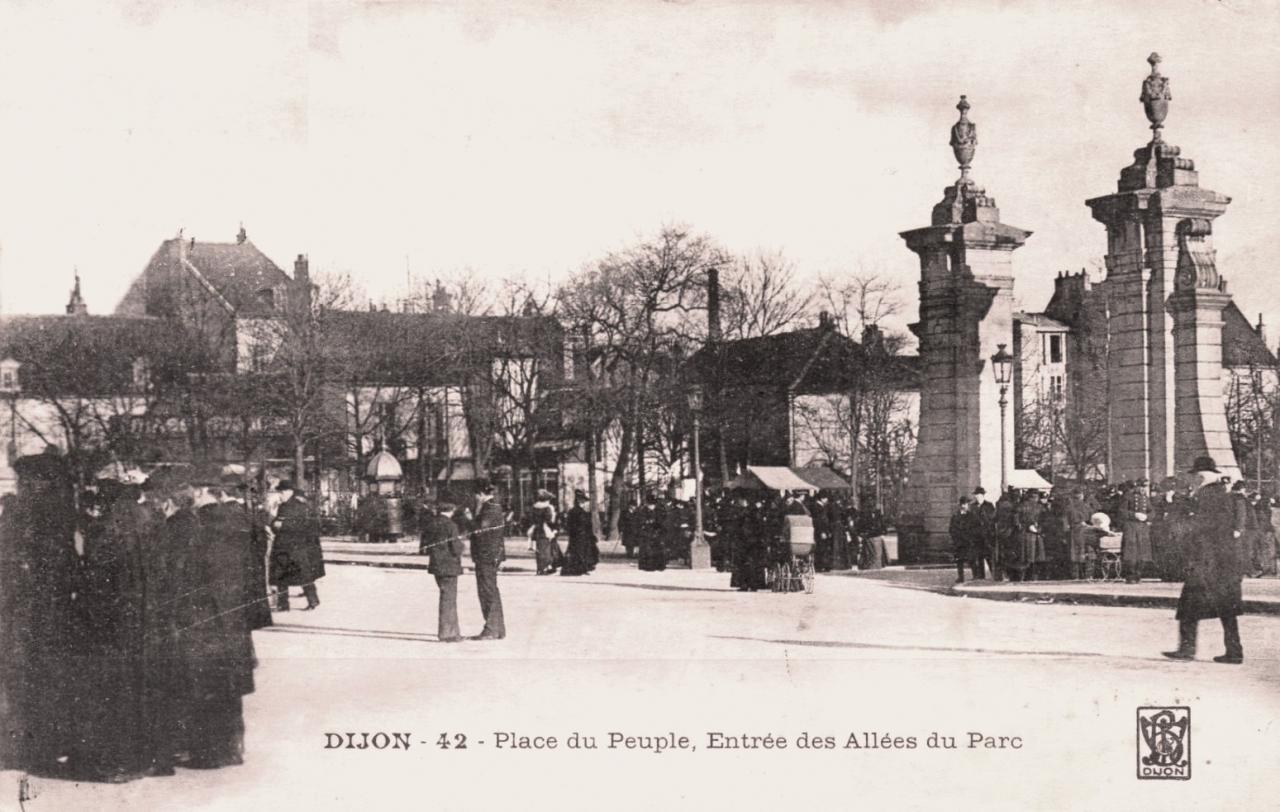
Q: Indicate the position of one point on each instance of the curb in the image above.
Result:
(1249, 606)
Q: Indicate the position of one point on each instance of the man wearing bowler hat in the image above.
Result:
(1214, 568)
(296, 557)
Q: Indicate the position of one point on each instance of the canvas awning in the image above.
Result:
(1028, 479)
(822, 478)
(770, 478)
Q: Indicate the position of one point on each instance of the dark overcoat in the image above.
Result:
(487, 535)
(443, 544)
(961, 531)
(1135, 547)
(296, 556)
(1076, 518)
(1214, 566)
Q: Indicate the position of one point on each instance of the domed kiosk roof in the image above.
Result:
(384, 467)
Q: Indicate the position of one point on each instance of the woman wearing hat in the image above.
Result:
(542, 531)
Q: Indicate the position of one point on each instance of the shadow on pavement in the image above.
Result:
(659, 587)
(891, 647)
(372, 634)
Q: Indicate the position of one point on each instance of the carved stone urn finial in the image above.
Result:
(964, 138)
(1155, 97)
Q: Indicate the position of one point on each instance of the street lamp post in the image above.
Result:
(1002, 368)
(699, 550)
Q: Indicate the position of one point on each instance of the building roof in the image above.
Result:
(1041, 321)
(818, 360)
(430, 348)
(90, 355)
(1242, 346)
(238, 271)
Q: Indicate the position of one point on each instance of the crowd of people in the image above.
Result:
(128, 605)
(1063, 533)
(746, 533)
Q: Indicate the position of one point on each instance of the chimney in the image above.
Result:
(713, 305)
(243, 236)
(826, 321)
(301, 269)
(1262, 331)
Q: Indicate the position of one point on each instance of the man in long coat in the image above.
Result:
(1076, 520)
(961, 532)
(296, 556)
(488, 550)
(442, 542)
(985, 539)
(1214, 568)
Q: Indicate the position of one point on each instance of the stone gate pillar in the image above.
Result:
(966, 311)
(1160, 351)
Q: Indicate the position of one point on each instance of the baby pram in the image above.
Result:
(1102, 555)
(797, 574)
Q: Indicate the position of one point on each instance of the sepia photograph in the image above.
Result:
(639, 405)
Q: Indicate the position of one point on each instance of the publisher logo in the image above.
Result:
(1164, 743)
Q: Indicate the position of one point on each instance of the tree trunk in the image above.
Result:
(619, 482)
(593, 487)
(855, 428)
(299, 463)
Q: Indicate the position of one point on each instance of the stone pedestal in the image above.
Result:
(699, 554)
(966, 311)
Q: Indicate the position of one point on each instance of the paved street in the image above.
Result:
(677, 652)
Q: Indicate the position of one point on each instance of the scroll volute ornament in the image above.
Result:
(1197, 266)
(1155, 96)
(964, 139)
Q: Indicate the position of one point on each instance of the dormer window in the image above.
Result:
(267, 297)
(9, 375)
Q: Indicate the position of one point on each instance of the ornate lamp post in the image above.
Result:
(699, 551)
(1002, 368)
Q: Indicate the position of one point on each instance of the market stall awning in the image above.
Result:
(770, 478)
(822, 478)
(1028, 479)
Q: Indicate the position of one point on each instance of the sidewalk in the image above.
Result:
(1261, 595)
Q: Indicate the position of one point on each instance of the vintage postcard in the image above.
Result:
(685, 404)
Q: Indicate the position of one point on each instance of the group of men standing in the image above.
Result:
(745, 531)
(128, 607)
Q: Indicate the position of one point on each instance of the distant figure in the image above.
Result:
(442, 542)
(488, 550)
(542, 532)
(583, 554)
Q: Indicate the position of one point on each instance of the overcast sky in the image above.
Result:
(525, 137)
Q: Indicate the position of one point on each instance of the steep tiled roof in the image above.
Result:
(1241, 344)
(238, 271)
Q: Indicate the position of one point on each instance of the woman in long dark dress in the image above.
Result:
(583, 554)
